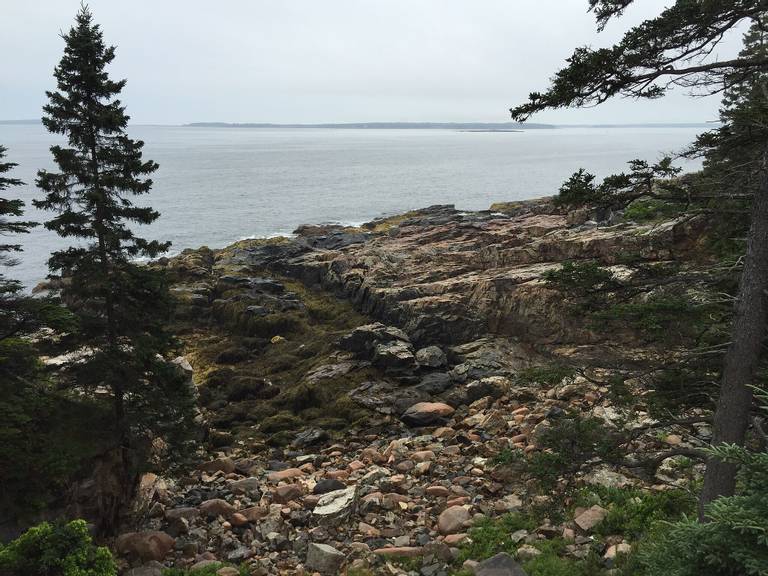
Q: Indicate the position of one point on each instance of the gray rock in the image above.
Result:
(395, 355)
(324, 558)
(335, 506)
(431, 357)
(310, 436)
(249, 486)
(363, 339)
(500, 565)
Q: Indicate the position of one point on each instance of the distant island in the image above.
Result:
(499, 126)
(461, 126)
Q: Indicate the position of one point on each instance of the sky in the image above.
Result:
(309, 61)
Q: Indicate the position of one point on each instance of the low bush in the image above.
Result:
(734, 542)
(549, 375)
(580, 278)
(569, 442)
(651, 209)
(56, 550)
(631, 512)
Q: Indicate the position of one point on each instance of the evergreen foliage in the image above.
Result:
(121, 307)
(56, 550)
(734, 541)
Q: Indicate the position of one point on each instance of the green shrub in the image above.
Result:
(579, 278)
(662, 316)
(735, 540)
(650, 209)
(578, 190)
(631, 511)
(44, 443)
(491, 536)
(56, 550)
(549, 375)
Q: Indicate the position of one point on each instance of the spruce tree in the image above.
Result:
(121, 306)
(16, 314)
(679, 48)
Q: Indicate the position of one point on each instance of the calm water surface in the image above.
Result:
(218, 185)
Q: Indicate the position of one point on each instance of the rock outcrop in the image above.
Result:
(346, 438)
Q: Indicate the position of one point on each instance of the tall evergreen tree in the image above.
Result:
(678, 48)
(121, 306)
(16, 314)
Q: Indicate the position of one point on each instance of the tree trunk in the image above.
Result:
(743, 356)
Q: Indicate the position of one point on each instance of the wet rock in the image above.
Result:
(324, 558)
(426, 413)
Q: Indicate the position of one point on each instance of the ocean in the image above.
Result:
(217, 185)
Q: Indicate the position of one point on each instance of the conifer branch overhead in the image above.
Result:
(675, 48)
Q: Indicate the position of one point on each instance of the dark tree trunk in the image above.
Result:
(741, 361)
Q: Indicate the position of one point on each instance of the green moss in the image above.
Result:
(279, 422)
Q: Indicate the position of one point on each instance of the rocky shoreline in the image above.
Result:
(372, 393)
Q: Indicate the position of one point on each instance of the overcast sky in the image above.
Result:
(326, 60)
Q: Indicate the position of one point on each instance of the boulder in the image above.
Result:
(287, 492)
(248, 486)
(394, 356)
(286, 474)
(426, 413)
(590, 518)
(452, 520)
(225, 465)
(324, 558)
(328, 485)
(500, 565)
(335, 506)
(145, 546)
(363, 340)
(217, 507)
(431, 357)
